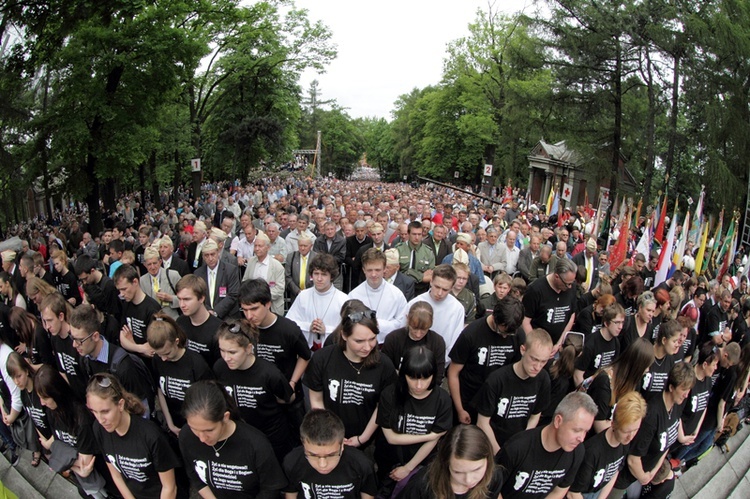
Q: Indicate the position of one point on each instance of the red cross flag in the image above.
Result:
(567, 190)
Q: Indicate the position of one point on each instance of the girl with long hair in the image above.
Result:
(256, 385)
(33, 340)
(23, 376)
(464, 467)
(624, 375)
(138, 454)
(8, 289)
(223, 455)
(72, 424)
(348, 378)
(64, 280)
(413, 414)
(666, 346)
(175, 367)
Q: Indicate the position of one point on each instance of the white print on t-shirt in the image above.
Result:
(670, 435)
(694, 403)
(222, 476)
(247, 396)
(415, 425)
(266, 352)
(502, 407)
(333, 389)
(350, 392)
(175, 388)
(597, 360)
(131, 467)
(37, 415)
(662, 441)
(230, 391)
(68, 363)
(516, 407)
(521, 478)
(558, 314)
(598, 477)
(200, 470)
(482, 356)
(113, 461)
(324, 491)
(495, 355)
(541, 481)
(66, 437)
(646, 380)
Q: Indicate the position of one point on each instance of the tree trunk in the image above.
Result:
(650, 131)
(617, 132)
(142, 181)
(155, 197)
(669, 163)
(177, 177)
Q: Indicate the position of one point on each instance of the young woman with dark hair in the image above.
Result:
(137, 452)
(72, 424)
(34, 342)
(349, 377)
(413, 415)
(23, 376)
(224, 456)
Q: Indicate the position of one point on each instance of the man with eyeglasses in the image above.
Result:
(550, 302)
(100, 356)
(323, 466)
(54, 310)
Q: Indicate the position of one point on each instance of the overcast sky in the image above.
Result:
(388, 47)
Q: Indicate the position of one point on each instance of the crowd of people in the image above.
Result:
(332, 339)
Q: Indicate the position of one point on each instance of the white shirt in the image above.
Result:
(310, 304)
(447, 318)
(292, 243)
(261, 269)
(511, 258)
(387, 301)
(243, 248)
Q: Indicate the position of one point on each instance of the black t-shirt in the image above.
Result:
(587, 322)
(688, 346)
(601, 463)
(532, 471)
(547, 309)
(600, 390)
(482, 351)
(202, 338)
(80, 434)
(648, 277)
(282, 343)
(139, 455)
(657, 434)
(174, 378)
(662, 490)
(352, 396)
(716, 321)
(629, 333)
(398, 342)
(127, 373)
(654, 382)
(139, 316)
(628, 304)
(68, 361)
(419, 486)
(67, 285)
(597, 353)
(510, 401)
(432, 414)
(353, 476)
(244, 468)
(41, 351)
(695, 405)
(36, 411)
(723, 389)
(255, 391)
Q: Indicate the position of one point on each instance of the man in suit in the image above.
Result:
(490, 253)
(377, 234)
(333, 244)
(169, 260)
(223, 281)
(297, 267)
(526, 257)
(263, 266)
(393, 275)
(159, 283)
(353, 244)
(590, 260)
(195, 249)
(438, 243)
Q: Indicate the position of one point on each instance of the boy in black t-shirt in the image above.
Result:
(324, 466)
(513, 397)
(199, 325)
(137, 312)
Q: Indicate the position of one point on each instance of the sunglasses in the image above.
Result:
(359, 316)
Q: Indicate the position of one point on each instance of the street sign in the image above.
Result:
(195, 164)
(487, 170)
